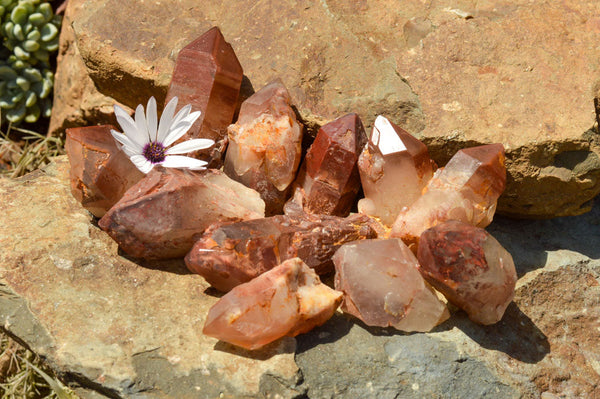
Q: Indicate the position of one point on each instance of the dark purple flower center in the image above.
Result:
(155, 152)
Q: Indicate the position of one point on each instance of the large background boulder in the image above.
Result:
(454, 73)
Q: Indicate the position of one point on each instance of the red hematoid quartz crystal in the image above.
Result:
(467, 189)
(232, 254)
(158, 217)
(285, 301)
(328, 180)
(100, 172)
(470, 268)
(394, 168)
(265, 145)
(383, 287)
(208, 76)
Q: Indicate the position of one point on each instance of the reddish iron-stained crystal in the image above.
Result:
(232, 254)
(285, 301)
(394, 168)
(100, 172)
(467, 189)
(265, 145)
(328, 180)
(382, 286)
(208, 76)
(470, 268)
(158, 217)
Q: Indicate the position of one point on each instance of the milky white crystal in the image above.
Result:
(385, 137)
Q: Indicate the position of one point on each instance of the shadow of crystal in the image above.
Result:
(333, 330)
(175, 265)
(215, 293)
(281, 346)
(516, 334)
(529, 241)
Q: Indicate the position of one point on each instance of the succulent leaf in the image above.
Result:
(18, 32)
(49, 32)
(33, 113)
(7, 73)
(29, 33)
(21, 54)
(37, 19)
(19, 14)
(30, 99)
(23, 83)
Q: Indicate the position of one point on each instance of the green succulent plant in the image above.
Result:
(24, 91)
(29, 31)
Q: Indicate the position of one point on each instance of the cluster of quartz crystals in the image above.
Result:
(159, 216)
(470, 268)
(394, 168)
(285, 301)
(208, 76)
(100, 172)
(265, 145)
(466, 189)
(328, 180)
(269, 265)
(227, 255)
(382, 286)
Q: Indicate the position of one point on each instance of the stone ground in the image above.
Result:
(120, 329)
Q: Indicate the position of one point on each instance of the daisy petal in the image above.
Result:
(183, 112)
(165, 120)
(122, 115)
(178, 161)
(187, 117)
(128, 125)
(126, 142)
(177, 133)
(189, 146)
(181, 128)
(129, 151)
(151, 118)
(140, 122)
(142, 163)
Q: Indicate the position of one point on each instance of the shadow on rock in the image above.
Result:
(215, 293)
(516, 335)
(335, 328)
(175, 266)
(283, 345)
(529, 241)
(381, 331)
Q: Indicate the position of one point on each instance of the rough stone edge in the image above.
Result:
(29, 330)
(140, 86)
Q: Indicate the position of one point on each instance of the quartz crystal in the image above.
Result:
(232, 254)
(265, 145)
(158, 217)
(470, 268)
(394, 168)
(285, 301)
(328, 180)
(100, 172)
(467, 189)
(208, 76)
(383, 287)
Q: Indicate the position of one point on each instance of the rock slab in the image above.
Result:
(113, 328)
(456, 74)
(104, 322)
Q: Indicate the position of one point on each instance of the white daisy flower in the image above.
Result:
(147, 145)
